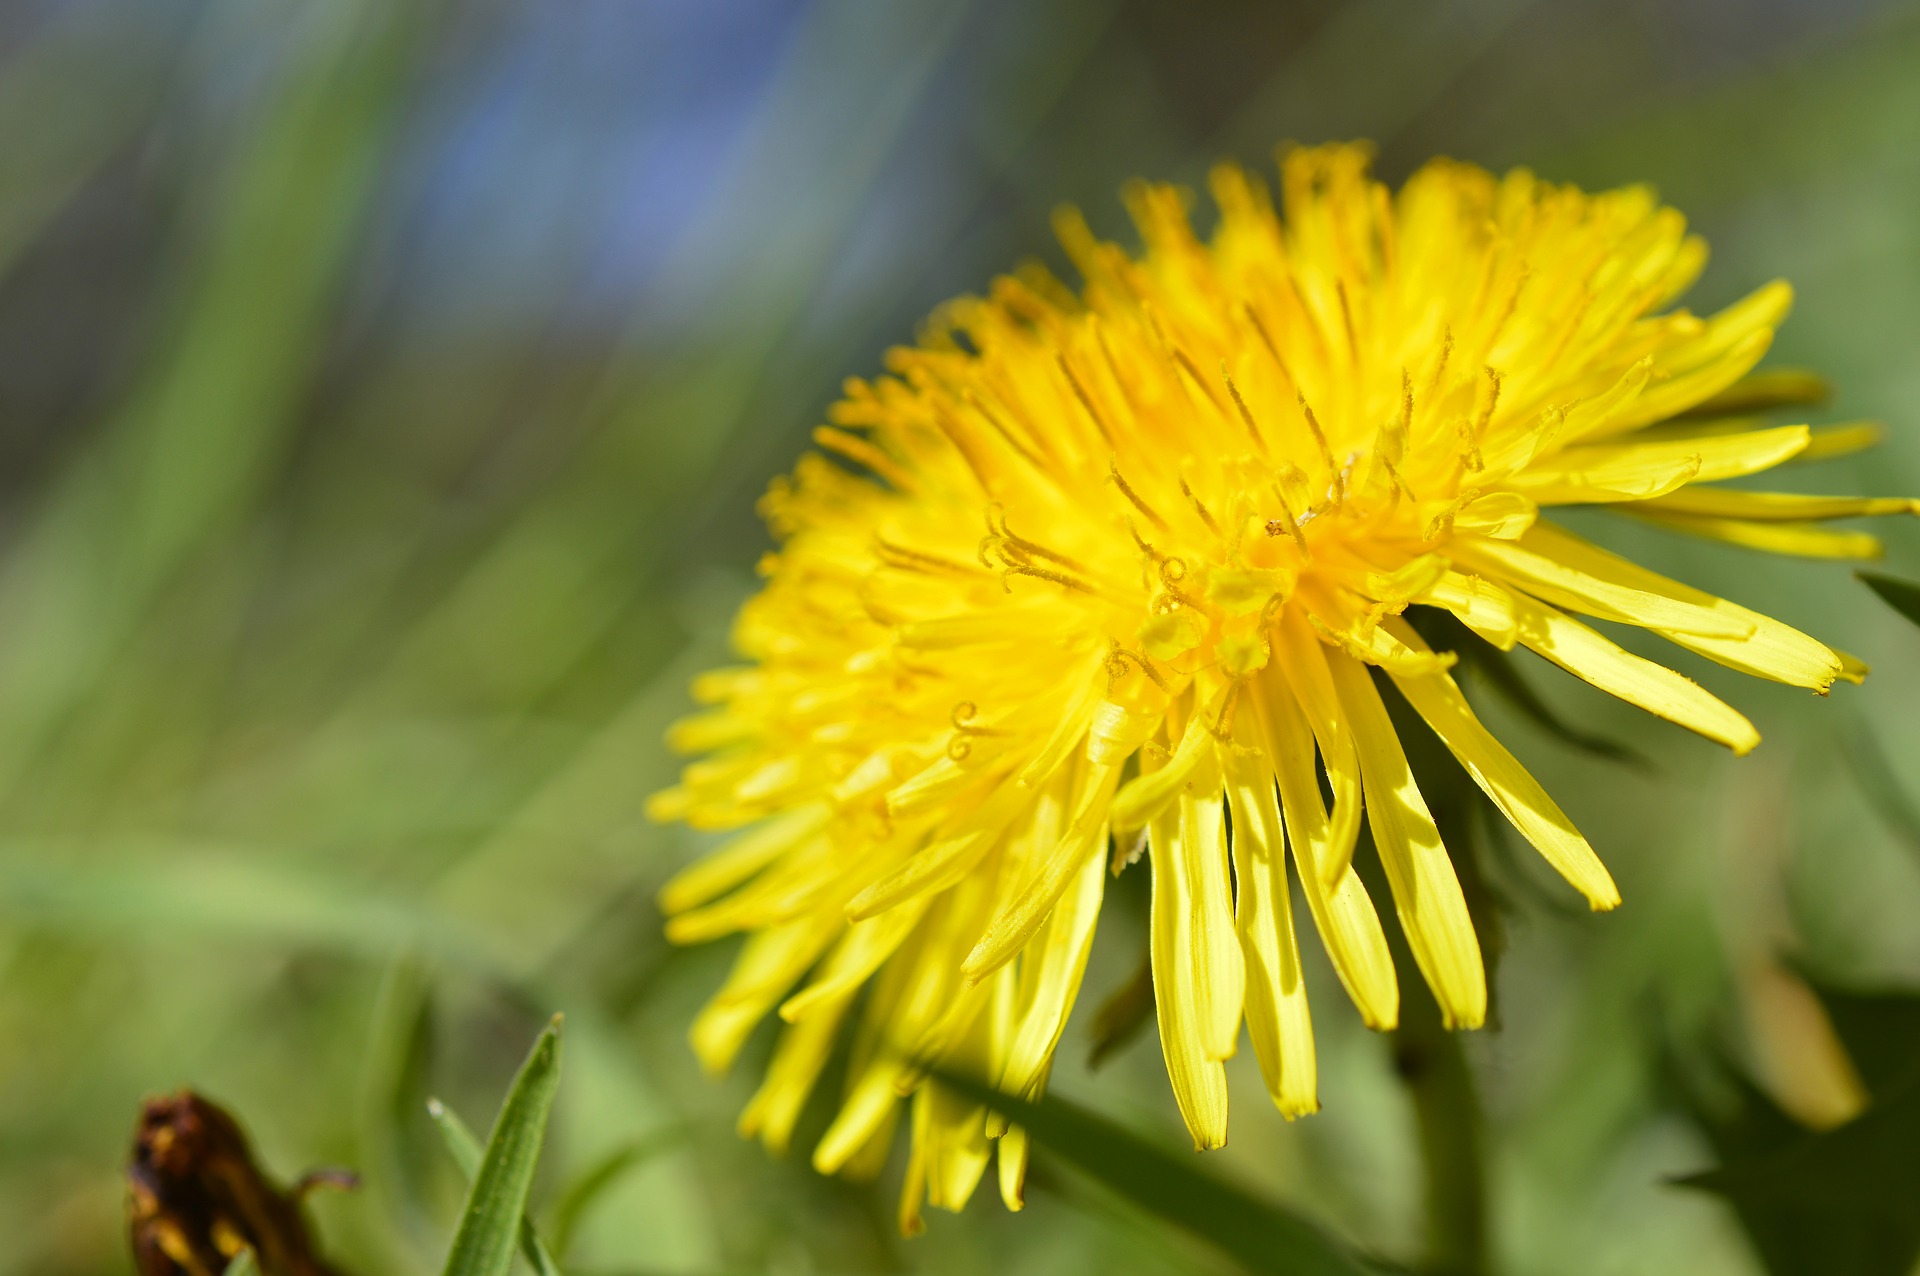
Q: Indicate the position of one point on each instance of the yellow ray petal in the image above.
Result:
(1635, 470)
(1342, 913)
(1221, 971)
(859, 953)
(1083, 842)
(946, 861)
(1193, 949)
(1011, 1158)
(1842, 440)
(771, 962)
(1277, 1019)
(1595, 416)
(1534, 563)
(1050, 974)
(1148, 794)
(1775, 651)
(1774, 507)
(914, 990)
(957, 1144)
(797, 1060)
(741, 858)
(1436, 698)
(1800, 540)
(1303, 666)
(1426, 893)
(1373, 645)
(1501, 515)
(1482, 607)
(1655, 688)
(1732, 343)
(1764, 390)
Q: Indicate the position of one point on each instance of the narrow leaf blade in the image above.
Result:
(466, 1152)
(497, 1200)
(1901, 595)
(1259, 1235)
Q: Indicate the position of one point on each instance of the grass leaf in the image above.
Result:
(603, 1174)
(466, 1152)
(491, 1224)
(243, 1264)
(1901, 595)
(1259, 1235)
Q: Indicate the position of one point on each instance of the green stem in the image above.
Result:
(1446, 1109)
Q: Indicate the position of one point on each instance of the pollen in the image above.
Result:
(1140, 560)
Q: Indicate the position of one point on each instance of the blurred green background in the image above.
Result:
(385, 386)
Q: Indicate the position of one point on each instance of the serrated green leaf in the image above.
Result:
(1880, 1029)
(1901, 595)
(466, 1152)
(1259, 1235)
(491, 1223)
(1814, 1202)
(1837, 1201)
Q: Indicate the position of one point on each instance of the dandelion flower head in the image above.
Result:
(1086, 569)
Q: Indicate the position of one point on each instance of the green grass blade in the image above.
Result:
(466, 1151)
(603, 1174)
(1259, 1235)
(1901, 595)
(490, 1226)
(243, 1264)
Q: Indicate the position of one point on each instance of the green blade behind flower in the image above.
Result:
(1259, 1235)
(603, 1174)
(1901, 595)
(490, 1225)
(467, 1152)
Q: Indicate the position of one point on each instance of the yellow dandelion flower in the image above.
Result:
(1089, 566)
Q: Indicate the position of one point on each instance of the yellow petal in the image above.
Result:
(1151, 792)
(1192, 948)
(1426, 893)
(1775, 651)
(1731, 343)
(1501, 515)
(769, 963)
(1050, 974)
(1482, 607)
(1011, 1156)
(1655, 688)
(1775, 507)
(1636, 470)
(1277, 1020)
(859, 953)
(721, 870)
(1342, 913)
(1800, 540)
(946, 861)
(1303, 665)
(1765, 390)
(1842, 440)
(1374, 646)
(1021, 916)
(802, 1052)
(1437, 699)
(1535, 564)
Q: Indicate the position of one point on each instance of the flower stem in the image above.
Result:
(1446, 1109)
